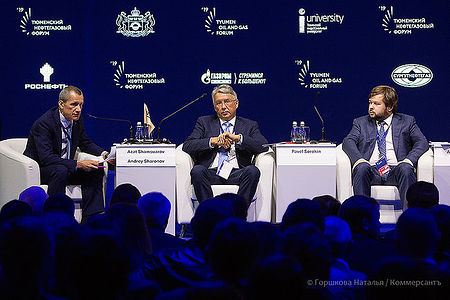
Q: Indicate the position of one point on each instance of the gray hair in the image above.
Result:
(64, 95)
(224, 89)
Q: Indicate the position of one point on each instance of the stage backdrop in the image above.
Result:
(276, 54)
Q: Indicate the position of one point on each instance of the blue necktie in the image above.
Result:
(382, 146)
(65, 153)
(223, 153)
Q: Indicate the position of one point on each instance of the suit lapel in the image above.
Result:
(372, 135)
(58, 133)
(396, 119)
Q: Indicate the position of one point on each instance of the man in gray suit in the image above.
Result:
(384, 147)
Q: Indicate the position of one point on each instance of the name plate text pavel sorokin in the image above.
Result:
(145, 156)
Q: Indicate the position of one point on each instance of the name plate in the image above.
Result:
(441, 154)
(306, 154)
(145, 156)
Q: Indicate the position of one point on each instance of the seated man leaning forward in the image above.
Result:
(52, 142)
(222, 147)
(385, 146)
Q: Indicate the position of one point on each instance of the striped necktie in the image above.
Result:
(65, 153)
(223, 153)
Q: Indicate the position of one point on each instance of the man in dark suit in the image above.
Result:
(52, 143)
(385, 146)
(224, 141)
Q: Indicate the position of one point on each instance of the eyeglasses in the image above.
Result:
(227, 102)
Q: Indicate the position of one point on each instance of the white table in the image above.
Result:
(151, 168)
(304, 171)
(442, 170)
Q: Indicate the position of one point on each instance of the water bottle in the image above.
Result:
(139, 132)
(294, 132)
(303, 132)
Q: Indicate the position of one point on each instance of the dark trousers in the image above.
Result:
(247, 178)
(365, 175)
(57, 177)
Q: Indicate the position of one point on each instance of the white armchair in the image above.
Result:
(18, 172)
(260, 208)
(385, 194)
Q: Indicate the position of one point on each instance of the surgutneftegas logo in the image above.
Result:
(41, 27)
(233, 78)
(46, 71)
(134, 81)
(135, 25)
(412, 75)
(315, 80)
(317, 23)
(216, 26)
(402, 25)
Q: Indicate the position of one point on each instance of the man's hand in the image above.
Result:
(87, 165)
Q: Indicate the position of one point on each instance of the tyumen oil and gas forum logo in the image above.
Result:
(216, 26)
(402, 26)
(412, 75)
(133, 81)
(317, 23)
(40, 27)
(315, 80)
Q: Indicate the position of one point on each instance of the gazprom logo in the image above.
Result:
(412, 75)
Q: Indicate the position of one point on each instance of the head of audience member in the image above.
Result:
(100, 267)
(59, 203)
(391, 272)
(416, 233)
(125, 193)
(25, 257)
(207, 215)
(276, 277)
(362, 214)
(302, 211)
(422, 194)
(338, 234)
(329, 205)
(306, 243)
(441, 214)
(232, 250)
(34, 196)
(268, 236)
(238, 204)
(225, 102)
(383, 102)
(14, 209)
(134, 233)
(156, 209)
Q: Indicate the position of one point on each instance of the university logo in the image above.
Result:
(402, 25)
(46, 71)
(135, 25)
(316, 23)
(315, 80)
(412, 75)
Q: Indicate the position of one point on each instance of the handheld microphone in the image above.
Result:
(178, 110)
(118, 120)
(323, 140)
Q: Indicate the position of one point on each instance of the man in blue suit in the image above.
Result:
(52, 143)
(224, 141)
(385, 146)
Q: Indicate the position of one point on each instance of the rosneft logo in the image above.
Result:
(412, 75)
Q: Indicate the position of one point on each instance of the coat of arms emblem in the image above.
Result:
(135, 25)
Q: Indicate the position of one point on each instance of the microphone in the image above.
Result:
(178, 110)
(323, 140)
(118, 120)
